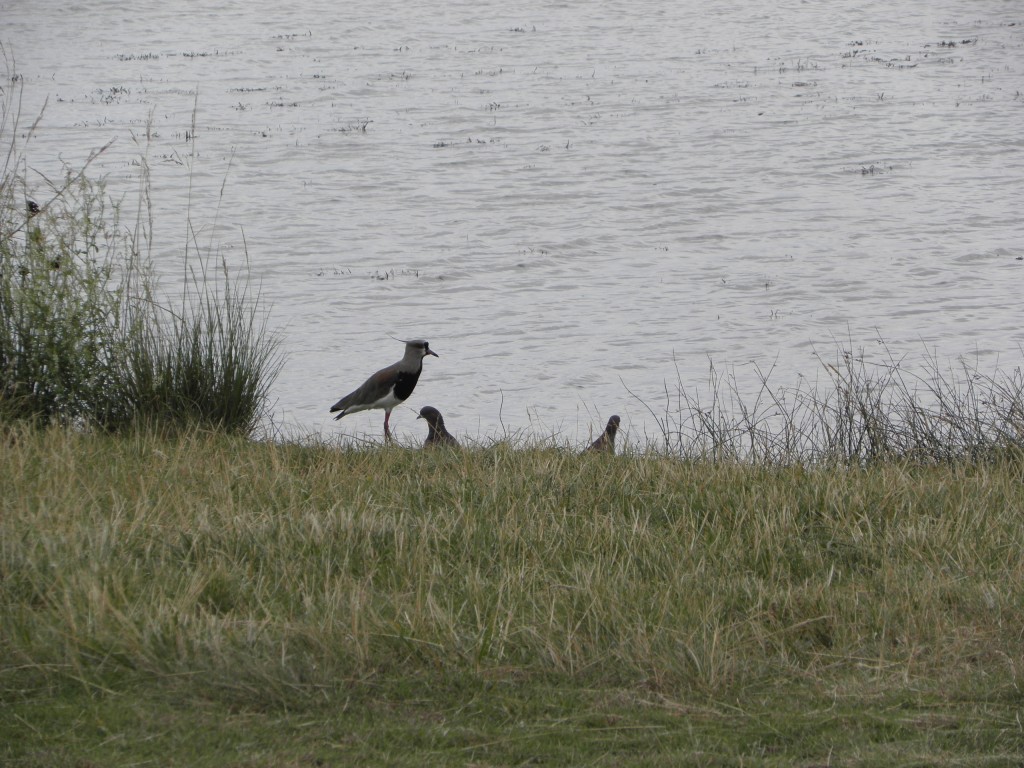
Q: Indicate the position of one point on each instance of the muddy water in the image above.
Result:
(574, 201)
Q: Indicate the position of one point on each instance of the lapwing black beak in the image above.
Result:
(432, 352)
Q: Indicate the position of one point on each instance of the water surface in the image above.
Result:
(578, 204)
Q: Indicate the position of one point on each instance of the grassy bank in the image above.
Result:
(206, 600)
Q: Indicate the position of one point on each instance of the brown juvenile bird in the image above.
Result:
(389, 386)
(437, 434)
(606, 441)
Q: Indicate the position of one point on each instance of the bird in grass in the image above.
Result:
(437, 434)
(389, 386)
(605, 442)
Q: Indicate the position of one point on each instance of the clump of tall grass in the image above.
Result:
(86, 339)
(209, 360)
(862, 411)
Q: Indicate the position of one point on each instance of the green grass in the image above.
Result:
(205, 600)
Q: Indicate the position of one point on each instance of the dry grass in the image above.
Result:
(866, 406)
(277, 577)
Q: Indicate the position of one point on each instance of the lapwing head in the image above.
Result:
(420, 347)
(613, 424)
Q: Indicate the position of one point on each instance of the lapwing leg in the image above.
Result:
(387, 430)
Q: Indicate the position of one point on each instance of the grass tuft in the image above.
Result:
(863, 411)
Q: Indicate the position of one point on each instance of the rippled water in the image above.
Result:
(571, 201)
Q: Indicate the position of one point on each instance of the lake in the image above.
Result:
(581, 205)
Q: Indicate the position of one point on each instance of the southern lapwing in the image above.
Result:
(605, 443)
(389, 386)
(437, 434)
